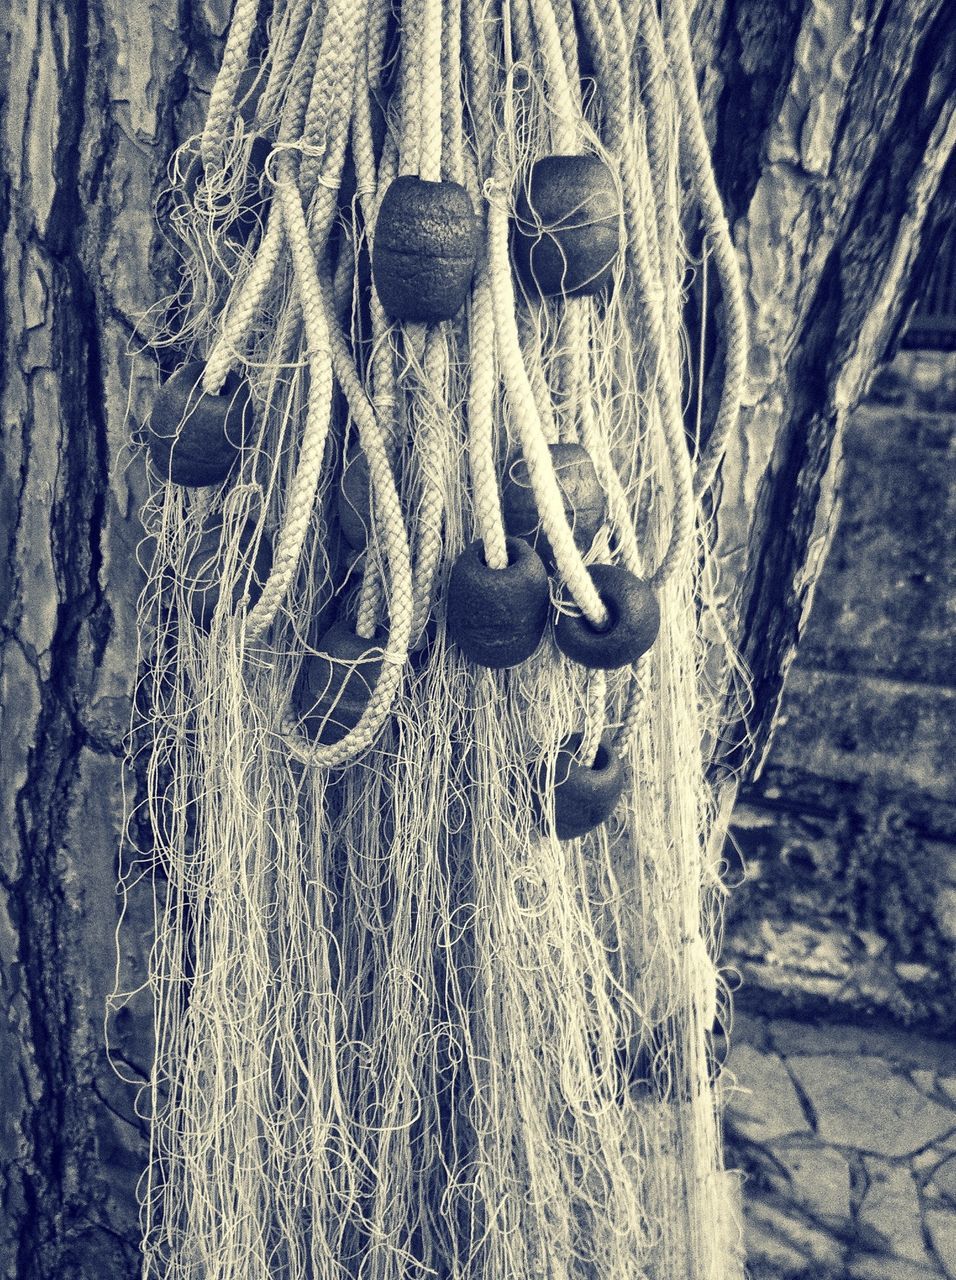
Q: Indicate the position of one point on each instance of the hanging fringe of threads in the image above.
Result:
(435, 889)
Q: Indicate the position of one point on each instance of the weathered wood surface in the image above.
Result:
(831, 120)
(834, 124)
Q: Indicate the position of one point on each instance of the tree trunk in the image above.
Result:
(833, 122)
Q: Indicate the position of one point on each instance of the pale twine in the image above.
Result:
(725, 255)
(301, 499)
(481, 407)
(222, 100)
(534, 446)
(400, 602)
(492, 334)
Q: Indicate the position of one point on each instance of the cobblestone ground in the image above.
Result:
(847, 1140)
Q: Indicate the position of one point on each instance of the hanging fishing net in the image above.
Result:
(433, 682)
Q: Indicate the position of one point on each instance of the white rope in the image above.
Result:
(389, 515)
(407, 1000)
(430, 145)
(224, 90)
(534, 446)
(725, 255)
(301, 499)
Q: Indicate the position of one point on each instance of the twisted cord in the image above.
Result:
(481, 450)
(235, 56)
(694, 138)
(430, 138)
(389, 517)
(453, 138)
(534, 446)
(431, 445)
(302, 492)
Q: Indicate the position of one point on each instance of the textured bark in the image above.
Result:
(831, 129)
(833, 123)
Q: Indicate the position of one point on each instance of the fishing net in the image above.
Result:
(434, 681)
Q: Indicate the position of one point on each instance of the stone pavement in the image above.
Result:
(846, 1137)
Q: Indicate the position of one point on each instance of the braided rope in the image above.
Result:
(291, 38)
(614, 71)
(659, 135)
(481, 449)
(534, 446)
(302, 491)
(389, 516)
(565, 118)
(516, 23)
(384, 400)
(483, 375)
(568, 33)
(350, 1190)
(431, 442)
(479, 82)
(411, 87)
(234, 59)
(619, 507)
(453, 137)
(431, 96)
(634, 710)
(371, 188)
(246, 302)
(595, 717)
(299, 91)
(574, 356)
(694, 138)
(528, 337)
(244, 305)
(375, 36)
(327, 120)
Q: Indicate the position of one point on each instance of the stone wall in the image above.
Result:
(842, 1074)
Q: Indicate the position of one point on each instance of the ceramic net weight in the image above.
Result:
(195, 438)
(585, 793)
(426, 243)
(634, 619)
(567, 226)
(584, 502)
(497, 617)
(336, 683)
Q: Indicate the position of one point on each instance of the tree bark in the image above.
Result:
(832, 123)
